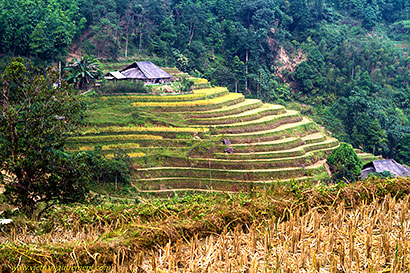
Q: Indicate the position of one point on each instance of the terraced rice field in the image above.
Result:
(180, 145)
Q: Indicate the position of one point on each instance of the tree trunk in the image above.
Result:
(236, 86)
(116, 181)
(140, 42)
(126, 46)
(246, 71)
(192, 29)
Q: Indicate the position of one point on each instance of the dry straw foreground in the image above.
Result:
(360, 227)
(371, 238)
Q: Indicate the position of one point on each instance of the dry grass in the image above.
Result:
(288, 227)
(370, 238)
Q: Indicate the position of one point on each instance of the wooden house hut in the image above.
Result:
(389, 165)
(114, 76)
(147, 72)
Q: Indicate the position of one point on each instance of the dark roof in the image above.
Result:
(115, 75)
(389, 165)
(144, 70)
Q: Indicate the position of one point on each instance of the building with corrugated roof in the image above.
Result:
(146, 71)
(389, 165)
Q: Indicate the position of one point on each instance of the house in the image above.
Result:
(147, 72)
(115, 75)
(389, 165)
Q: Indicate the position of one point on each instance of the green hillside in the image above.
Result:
(176, 141)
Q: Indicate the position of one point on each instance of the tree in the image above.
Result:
(40, 44)
(238, 68)
(344, 163)
(82, 72)
(404, 150)
(36, 117)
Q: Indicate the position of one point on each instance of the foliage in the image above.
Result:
(36, 117)
(82, 72)
(342, 57)
(404, 150)
(381, 175)
(125, 87)
(344, 163)
(185, 85)
(44, 28)
(109, 170)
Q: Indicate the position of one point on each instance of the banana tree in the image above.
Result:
(82, 72)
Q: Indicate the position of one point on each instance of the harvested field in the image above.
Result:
(373, 237)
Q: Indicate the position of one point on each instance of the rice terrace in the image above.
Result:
(182, 145)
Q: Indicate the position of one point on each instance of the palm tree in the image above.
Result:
(82, 72)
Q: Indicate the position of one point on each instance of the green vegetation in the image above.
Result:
(345, 164)
(343, 63)
(123, 87)
(348, 59)
(35, 119)
(83, 72)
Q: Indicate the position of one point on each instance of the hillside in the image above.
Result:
(179, 142)
(348, 61)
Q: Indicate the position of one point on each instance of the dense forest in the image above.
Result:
(345, 62)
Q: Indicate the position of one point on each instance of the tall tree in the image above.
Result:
(35, 119)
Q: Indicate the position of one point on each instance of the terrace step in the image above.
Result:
(299, 128)
(314, 138)
(366, 157)
(278, 144)
(198, 94)
(250, 175)
(198, 105)
(249, 164)
(169, 132)
(330, 143)
(248, 115)
(179, 183)
(247, 104)
(270, 122)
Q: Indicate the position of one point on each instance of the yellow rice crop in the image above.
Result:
(110, 147)
(115, 137)
(132, 155)
(119, 129)
(200, 81)
(197, 94)
(217, 100)
(210, 91)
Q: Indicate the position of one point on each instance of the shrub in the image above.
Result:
(119, 87)
(344, 163)
(381, 175)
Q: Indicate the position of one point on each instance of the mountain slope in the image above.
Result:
(208, 139)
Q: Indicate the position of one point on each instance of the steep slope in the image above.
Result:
(208, 139)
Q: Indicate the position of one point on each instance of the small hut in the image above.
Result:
(147, 72)
(389, 165)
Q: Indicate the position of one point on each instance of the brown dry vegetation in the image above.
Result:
(373, 237)
(361, 227)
